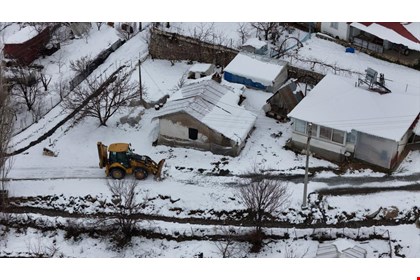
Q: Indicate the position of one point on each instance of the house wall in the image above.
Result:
(342, 31)
(174, 131)
(327, 150)
(279, 80)
(375, 150)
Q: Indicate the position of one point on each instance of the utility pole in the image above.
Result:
(141, 88)
(305, 183)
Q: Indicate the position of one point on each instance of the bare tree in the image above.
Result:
(45, 80)
(267, 28)
(263, 198)
(125, 207)
(203, 32)
(243, 31)
(26, 85)
(99, 25)
(6, 129)
(119, 92)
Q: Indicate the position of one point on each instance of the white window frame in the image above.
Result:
(334, 25)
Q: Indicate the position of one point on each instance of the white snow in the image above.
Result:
(74, 172)
(255, 42)
(337, 103)
(263, 72)
(390, 35)
(22, 35)
(200, 67)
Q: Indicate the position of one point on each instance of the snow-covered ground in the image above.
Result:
(190, 185)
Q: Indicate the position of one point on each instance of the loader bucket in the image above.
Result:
(158, 175)
(103, 157)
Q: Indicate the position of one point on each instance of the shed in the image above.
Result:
(200, 70)
(284, 100)
(347, 119)
(256, 72)
(205, 116)
(255, 45)
(27, 44)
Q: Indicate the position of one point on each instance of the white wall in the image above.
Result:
(329, 146)
(176, 130)
(341, 32)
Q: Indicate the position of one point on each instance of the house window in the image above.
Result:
(192, 133)
(300, 126)
(334, 25)
(325, 133)
(338, 136)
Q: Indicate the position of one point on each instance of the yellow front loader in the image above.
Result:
(119, 160)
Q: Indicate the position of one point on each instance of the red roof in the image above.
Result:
(397, 27)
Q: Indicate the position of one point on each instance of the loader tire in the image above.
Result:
(117, 173)
(140, 174)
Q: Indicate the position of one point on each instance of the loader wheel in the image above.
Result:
(117, 173)
(140, 174)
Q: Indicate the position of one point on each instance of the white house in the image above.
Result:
(351, 120)
(339, 30)
(206, 116)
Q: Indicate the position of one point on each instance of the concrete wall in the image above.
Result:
(172, 46)
(342, 32)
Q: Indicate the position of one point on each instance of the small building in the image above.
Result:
(26, 45)
(256, 72)
(352, 121)
(255, 45)
(205, 116)
(340, 248)
(200, 70)
(283, 101)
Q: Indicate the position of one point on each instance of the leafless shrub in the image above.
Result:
(81, 65)
(39, 249)
(228, 246)
(125, 206)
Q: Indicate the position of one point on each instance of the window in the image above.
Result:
(325, 133)
(300, 126)
(334, 25)
(192, 133)
(338, 136)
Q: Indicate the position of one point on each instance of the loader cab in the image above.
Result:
(119, 152)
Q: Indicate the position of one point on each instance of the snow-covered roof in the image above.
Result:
(337, 103)
(255, 42)
(22, 35)
(200, 67)
(215, 106)
(395, 32)
(258, 70)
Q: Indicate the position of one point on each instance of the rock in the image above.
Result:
(390, 212)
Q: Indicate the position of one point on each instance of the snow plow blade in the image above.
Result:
(158, 175)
